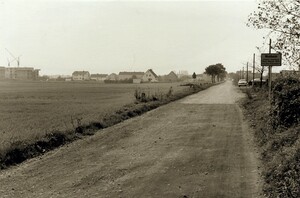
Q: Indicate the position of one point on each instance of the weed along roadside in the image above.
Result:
(277, 133)
(21, 151)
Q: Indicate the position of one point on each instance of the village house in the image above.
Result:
(112, 76)
(150, 76)
(171, 77)
(81, 75)
(99, 77)
(130, 75)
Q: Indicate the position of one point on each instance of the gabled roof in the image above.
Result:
(131, 73)
(99, 75)
(154, 74)
(172, 74)
(76, 73)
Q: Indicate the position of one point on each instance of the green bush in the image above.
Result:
(286, 102)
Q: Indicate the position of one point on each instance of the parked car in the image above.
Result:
(242, 82)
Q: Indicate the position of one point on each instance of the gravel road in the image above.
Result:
(199, 146)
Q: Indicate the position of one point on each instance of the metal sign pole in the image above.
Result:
(247, 74)
(253, 70)
(270, 73)
(270, 60)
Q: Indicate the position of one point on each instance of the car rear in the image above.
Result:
(242, 82)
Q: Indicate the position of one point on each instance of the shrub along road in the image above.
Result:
(195, 147)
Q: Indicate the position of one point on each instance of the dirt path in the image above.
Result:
(195, 147)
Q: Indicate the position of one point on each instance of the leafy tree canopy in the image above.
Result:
(282, 18)
(194, 75)
(217, 70)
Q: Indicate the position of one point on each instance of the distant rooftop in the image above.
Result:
(131, 73)
(99, 75)
(80, 72)
(154, 74)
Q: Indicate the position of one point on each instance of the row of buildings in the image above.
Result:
(30, 73)
(18, 73)
(136, 77)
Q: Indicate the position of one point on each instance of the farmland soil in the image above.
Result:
(199, 146)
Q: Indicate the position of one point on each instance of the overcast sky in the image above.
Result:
(61, 36)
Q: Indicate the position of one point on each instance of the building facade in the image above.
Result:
(99, 77)
(19, 73)
(150, 76)
(130, 75)
(171, 77)
(81, 75)
(112, 77)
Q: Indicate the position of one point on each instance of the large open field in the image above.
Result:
(29, 110)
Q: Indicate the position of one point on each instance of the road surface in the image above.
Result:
(195, 147)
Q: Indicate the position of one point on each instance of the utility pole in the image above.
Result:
(243, 73)
(247, 73)
(253, 74)
(240, 74)
(270, 73)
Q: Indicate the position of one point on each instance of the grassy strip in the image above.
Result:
(280, 147)
(21, 151)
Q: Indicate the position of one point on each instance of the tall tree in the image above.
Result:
(221, 71)
(211, 71)
(194, 75)
(214, 71)
(282, 18)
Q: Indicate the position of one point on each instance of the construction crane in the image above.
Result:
(8, 62)
(14, 58)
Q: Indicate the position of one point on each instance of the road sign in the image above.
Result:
(271, 59)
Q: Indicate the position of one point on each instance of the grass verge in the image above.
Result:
(279, 146)
(21, 151)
